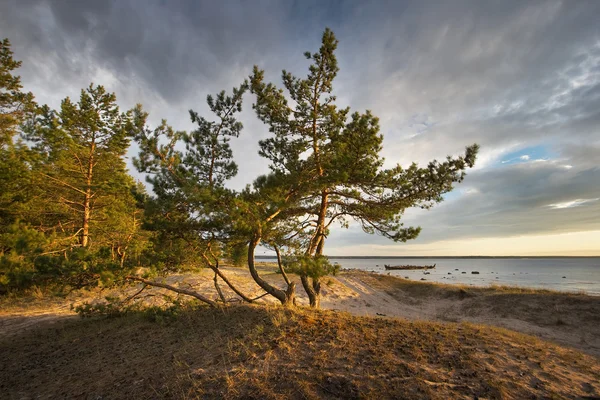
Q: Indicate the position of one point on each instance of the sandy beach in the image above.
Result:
(566, 319)
(377, 336)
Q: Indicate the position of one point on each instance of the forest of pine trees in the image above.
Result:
(72, 216)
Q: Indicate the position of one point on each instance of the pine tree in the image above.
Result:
(83, 170)
(14, 104)
(69, 211)
(15, 107)
(329, 161)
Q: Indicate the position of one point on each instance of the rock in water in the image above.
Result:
(475, 272)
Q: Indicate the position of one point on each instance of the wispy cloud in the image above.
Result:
(572, 203)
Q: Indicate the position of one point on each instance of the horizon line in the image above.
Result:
(432, 257)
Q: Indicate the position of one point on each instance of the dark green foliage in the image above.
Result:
(14, 104)
(114, 307)
(235, 253)
(313, 267)
(83, 171)
(20, 245)
(110, 308)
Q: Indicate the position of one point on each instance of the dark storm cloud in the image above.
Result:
(509, 75)
(165, 45)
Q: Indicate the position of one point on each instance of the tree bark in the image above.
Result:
(314, 297)
(290, 294)
(280, 264)
(85, 228)
(312, 286)
(291, 286)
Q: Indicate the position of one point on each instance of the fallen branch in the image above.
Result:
(174, 289)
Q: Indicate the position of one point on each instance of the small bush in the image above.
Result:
(115, 307)
(162, 315)
(111, 308)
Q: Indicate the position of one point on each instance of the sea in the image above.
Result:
(568, 274)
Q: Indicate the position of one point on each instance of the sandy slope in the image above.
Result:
(254, 352)
(567, 319)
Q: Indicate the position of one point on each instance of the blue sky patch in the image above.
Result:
(528, 154)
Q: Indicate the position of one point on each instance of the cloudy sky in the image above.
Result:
(521, 78)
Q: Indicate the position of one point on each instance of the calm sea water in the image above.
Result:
(565, 274)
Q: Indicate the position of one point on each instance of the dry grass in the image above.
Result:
(258, 352)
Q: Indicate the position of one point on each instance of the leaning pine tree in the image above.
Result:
(328, 160)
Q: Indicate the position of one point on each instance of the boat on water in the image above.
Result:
(400, 267)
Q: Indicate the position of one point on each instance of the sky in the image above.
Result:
(520, 78)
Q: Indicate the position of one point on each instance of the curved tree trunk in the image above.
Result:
(280, 265)
(290, 294)
(314, 296)
(291, 289)
(285, 297)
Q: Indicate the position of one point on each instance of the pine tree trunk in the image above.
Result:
(314, 297)
(291, 286)
(87, 211)
(313, 289)
(282, 296)
(290, 295)
(85, 228)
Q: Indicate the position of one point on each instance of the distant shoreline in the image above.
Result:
(438, 257)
